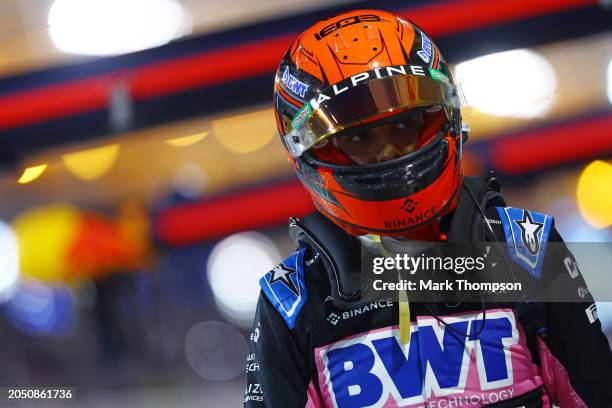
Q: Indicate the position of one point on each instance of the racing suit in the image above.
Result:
(311, 346)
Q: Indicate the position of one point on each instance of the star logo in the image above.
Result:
(283, 274)
(529, 233)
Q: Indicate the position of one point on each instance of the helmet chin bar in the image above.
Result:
(428, 230)
(392, 198)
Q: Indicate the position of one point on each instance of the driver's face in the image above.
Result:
(385, 142)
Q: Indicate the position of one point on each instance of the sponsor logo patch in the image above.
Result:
(301, 116)
(571, 266)
(425, 52)
(409, 205)
(256, 333)
(353, 81)
(438, 75)
(285, 288)
(411, 220)
(591, 313)
(583, 292)
(253, 392)
(334, 318)
(328, 29)
(294, 84)
(526, 235)
(375, 369)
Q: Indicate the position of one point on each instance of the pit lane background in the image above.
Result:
(177, 144)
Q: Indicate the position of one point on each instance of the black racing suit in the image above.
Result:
(310, 346)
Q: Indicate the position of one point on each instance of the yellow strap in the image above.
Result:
(403, 304)
(404, 317)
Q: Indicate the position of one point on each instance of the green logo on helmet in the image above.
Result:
(301, 116)
(437, 75)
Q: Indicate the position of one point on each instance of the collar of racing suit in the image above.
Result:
(337, 250)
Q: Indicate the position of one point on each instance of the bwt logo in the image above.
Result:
(296, 86)
(371, 369)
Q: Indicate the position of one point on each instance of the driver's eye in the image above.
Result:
(406, 124)
(358, 138)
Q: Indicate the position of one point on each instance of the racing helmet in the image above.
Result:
(369, 116)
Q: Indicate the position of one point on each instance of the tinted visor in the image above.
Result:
(343, 106)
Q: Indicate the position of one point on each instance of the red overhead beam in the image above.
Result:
(450, 17)
(242, 61)
(210, 68)
(254, 209)
(542, 148)
(149, 81)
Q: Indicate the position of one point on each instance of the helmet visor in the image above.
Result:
(343, 106)
(388, 140)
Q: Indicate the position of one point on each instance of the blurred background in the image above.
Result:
(140, 170)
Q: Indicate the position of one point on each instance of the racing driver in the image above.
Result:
(369, 115)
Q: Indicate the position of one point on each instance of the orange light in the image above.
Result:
(245, 133)
(93, 163)
(186, 140)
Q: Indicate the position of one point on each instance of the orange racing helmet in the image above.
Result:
(369, 115)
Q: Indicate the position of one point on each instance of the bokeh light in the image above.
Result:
(245, 133)
(32, 173)
(185, 141)
(190, 180)
(9, 261)
(39, 310)
(594, 194)
(44, 235)
(234, 268)
(609, 80)
(93, 163)
(111, 27)
(518, 83)
(215, 350)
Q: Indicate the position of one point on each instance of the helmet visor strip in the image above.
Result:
(343, 106)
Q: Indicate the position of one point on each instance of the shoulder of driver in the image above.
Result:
(532, 241)
(284, 286)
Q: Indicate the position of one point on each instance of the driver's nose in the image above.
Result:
(388, 152)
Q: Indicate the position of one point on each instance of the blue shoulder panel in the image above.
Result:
(526, 235)
(285, 287)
